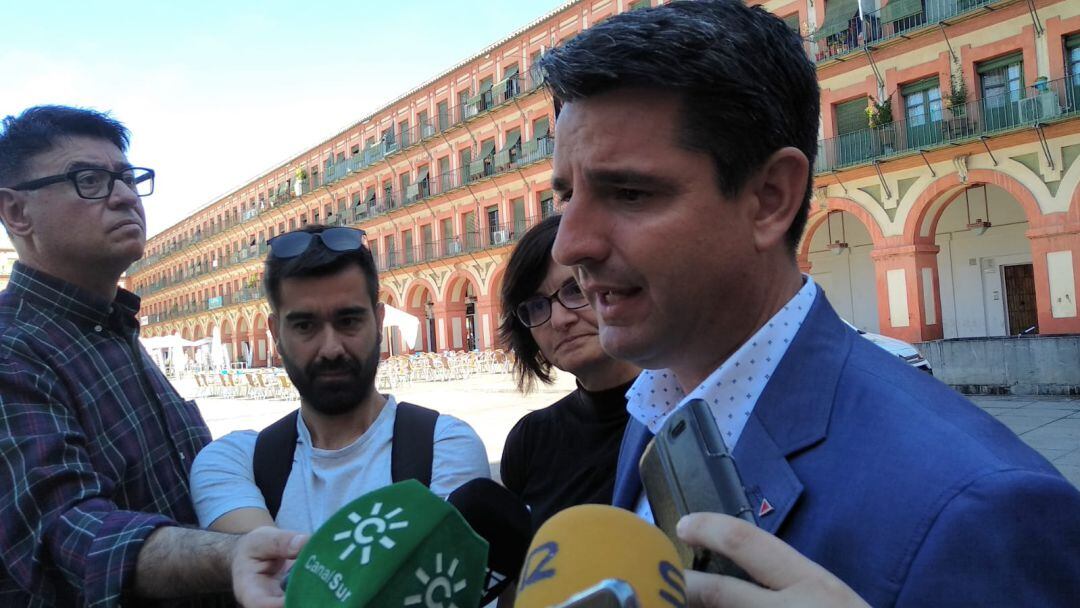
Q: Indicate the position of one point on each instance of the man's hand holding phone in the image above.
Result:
(786, 577)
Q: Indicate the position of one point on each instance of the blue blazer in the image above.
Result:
(890, 480)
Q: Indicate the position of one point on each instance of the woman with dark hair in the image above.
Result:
(565, 454)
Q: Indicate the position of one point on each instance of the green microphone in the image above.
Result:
(397, 546)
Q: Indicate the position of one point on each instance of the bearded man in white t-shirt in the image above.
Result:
(327, 325)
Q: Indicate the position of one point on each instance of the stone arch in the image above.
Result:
(262, 340)
(495, 281)
(419, 293)
(457, 283)
(846, 273)
(818, 214)
(389, 290)
(228, 334)
(459, 303)
(492, 307)
(925, 213)
(245, 348)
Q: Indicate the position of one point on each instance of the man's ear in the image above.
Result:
(780, 188)
(13, 212)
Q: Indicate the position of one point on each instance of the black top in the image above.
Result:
(566, 453)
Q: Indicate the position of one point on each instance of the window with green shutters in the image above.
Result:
(464, 106)
(1072, 59)
(447, 234)
(541, 127)
(853, 141)
(922, 109)
(838, 15)
(484, 98)
(443, 110)
(536, 78)
(518, 204)
(493, 225)
(445, 179)
(792, 21)
(424, 124)
(851, 116)
(464, 160)
(1001, 82)
(407, 237)
(472, 235)
(391, 252)
(547, 203)
(427, 236)
(388, 195)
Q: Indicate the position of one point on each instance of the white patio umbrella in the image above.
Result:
(219, 357)
(407, 324)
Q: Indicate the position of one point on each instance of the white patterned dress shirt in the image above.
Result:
(732, 389)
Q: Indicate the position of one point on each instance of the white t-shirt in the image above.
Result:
(322, 481)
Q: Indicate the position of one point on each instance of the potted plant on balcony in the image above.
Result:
(879, 117)
(958, 94)
(298, 185)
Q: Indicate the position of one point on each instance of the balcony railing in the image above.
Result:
(498, 94)
(248, 294)
(897, 19)
(385, 202)
(490, 237)
(1047, 102)
(436, 185)
(254, 252)
(497, 235)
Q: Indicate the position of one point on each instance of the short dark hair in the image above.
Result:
(525, 272)
(37, 130)
(318, 261)
(746, 85)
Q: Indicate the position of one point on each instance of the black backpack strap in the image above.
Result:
(413, 449)
(273, 460)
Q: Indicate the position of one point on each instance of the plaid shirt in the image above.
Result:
(96, 444)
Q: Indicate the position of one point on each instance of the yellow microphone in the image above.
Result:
(586, 545)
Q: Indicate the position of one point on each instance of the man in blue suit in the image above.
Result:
(684, 141)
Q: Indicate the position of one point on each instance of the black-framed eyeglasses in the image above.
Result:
(537, 310)
(292, 244)
(96, 184)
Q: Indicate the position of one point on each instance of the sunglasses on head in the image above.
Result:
(292, 244)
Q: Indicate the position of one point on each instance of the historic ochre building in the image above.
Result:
(947, 195)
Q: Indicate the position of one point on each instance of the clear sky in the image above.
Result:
(216, 92)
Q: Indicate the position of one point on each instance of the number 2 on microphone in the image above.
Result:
(536, 564)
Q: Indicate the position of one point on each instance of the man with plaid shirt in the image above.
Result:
(94, 502)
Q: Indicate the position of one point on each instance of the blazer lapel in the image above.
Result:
(792, 414)
(627, 478)
(771, 485)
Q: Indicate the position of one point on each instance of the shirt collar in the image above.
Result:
(733, 388)
(72, 301)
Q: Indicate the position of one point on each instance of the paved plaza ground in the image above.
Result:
(492, 404)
